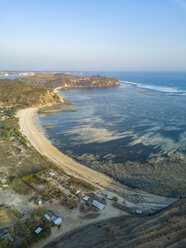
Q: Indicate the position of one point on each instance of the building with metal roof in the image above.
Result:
(98, 205)
(47, 217)
(86, 197)
(58, 221)
(38, 230)
(138, 211)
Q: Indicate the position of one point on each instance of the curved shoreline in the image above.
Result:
(44, 147)
(70, 166)
(132, 198)
(56, 91)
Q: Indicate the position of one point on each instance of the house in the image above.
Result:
(38, 230)
(53, 218)
(51, 174)
(72, 189)
(4, 181)
(110, 197)
(86, 197)
(98, 205)
(8, 236)
(58, 221)
(47, 217)
(138, 211)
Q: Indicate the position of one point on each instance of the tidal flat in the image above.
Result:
(138, 139)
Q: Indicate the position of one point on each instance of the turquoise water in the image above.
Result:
(135, 133)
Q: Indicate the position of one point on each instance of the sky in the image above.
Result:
(97, 35)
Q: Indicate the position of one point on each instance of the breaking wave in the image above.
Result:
(168, 90)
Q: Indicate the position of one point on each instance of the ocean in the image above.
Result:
(135, 133)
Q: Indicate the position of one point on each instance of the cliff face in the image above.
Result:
(63, 80)
(47, 97)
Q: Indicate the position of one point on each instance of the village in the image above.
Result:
(53, 196)
(6, 112)
(56, 199)
(39, 201)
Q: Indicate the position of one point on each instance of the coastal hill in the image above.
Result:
(63, 80)
(17, 93)
(37, 90)
(165, 229)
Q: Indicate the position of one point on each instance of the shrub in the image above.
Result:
(115, 198)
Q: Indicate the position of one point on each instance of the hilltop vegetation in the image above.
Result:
(63, 80)
(18, 93)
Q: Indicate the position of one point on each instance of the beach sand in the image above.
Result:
(44, 147)
(70, 166)
(129, 197)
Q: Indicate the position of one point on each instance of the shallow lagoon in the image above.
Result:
(133, 133)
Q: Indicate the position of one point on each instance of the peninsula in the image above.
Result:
(65, 80)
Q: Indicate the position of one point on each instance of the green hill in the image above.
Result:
(17, 93)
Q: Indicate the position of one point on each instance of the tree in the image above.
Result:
(4, 243)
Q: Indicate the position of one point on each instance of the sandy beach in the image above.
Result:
(45, 148)
(128, 197)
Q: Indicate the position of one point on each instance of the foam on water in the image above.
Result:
(161, 89)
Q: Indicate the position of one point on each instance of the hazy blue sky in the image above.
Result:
(93, 35)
